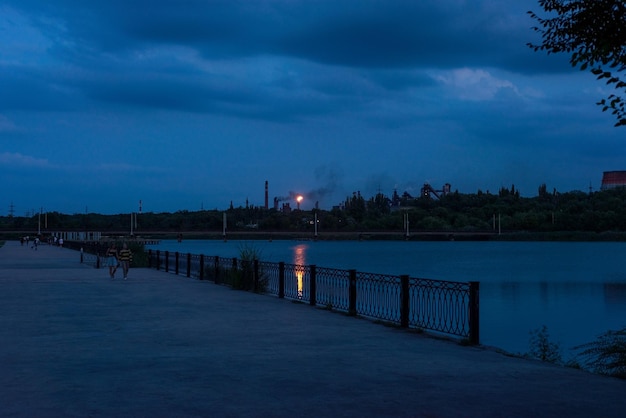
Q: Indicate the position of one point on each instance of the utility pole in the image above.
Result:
(224, 226)
(133, 222)
(406, 225)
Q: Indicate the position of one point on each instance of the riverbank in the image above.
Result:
(563, 236)
(566, 236)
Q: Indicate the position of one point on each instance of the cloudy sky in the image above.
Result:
(195, 104)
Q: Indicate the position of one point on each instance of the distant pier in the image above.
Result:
(94, 237)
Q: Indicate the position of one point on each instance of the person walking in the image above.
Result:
(126, 256)
(112, 260)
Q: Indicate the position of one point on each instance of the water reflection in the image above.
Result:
(546, 293)
(615, 297)
(299, 259)
(575, 313)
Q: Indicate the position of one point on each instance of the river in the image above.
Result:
(576, 289)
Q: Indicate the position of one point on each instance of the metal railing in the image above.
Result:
(442, 306)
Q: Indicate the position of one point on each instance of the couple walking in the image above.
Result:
(115, 259)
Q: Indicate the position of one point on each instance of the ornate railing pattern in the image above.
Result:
(271, 271)
(440, 304)
(437, 305)
(90, 259)
(379, 296)
(332, 288)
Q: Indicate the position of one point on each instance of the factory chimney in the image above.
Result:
(266, 197)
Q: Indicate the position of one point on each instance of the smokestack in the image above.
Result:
(266, 197)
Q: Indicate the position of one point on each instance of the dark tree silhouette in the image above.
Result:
(593, 32)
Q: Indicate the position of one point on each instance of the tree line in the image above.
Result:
(506, 211)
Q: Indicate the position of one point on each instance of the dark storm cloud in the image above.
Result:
(218, 96)
(348, 54)
(398, 80)
(379, 35)
(158, 94)
(23, 89)
(371, 34)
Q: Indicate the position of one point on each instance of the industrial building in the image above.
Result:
(613, 179)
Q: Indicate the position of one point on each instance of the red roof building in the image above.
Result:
(613, 179)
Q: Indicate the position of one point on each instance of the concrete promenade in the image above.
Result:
(74, 343)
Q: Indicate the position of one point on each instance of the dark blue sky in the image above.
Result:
(194, 104)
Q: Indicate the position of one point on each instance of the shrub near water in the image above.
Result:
(542, 348)
(606, 355)
(243, 277)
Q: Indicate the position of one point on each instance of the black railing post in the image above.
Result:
(188, 264)
(81, 255)
(404, 301)
(217, 269)
(167, 261)
(255, 275)
(352, 293)
(176, 256)
(281, 280)
(201, 266)
(474, 331)
(158, 259)
(313, 285)
(149, 259)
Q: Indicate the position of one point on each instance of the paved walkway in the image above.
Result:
(73, 343)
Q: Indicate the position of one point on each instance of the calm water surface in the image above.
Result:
(578, 290)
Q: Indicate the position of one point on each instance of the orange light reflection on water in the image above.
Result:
(299, 259)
